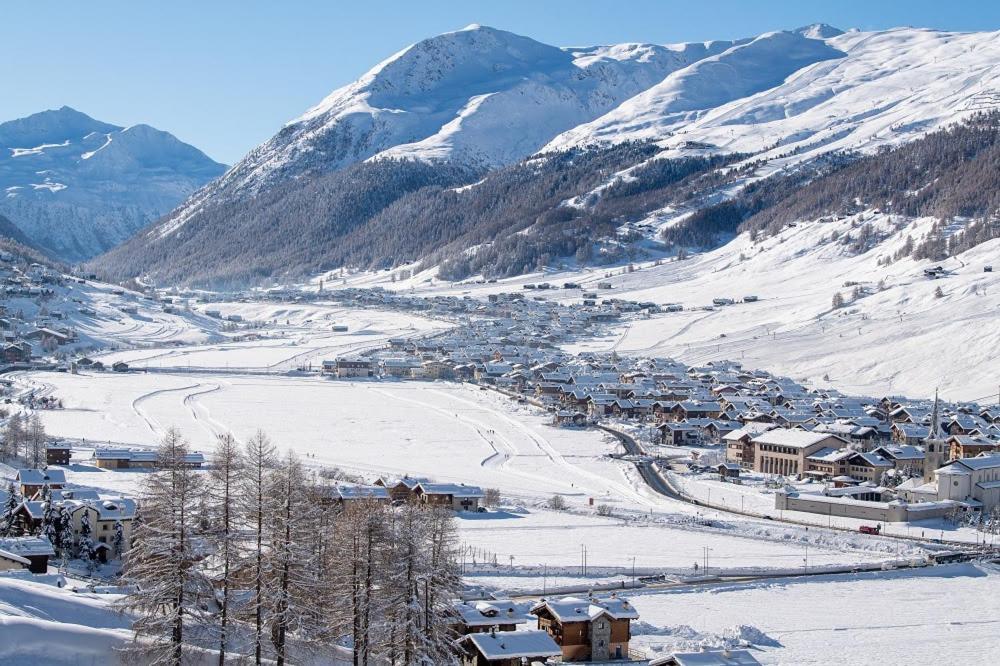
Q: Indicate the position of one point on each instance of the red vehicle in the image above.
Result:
(868, 529)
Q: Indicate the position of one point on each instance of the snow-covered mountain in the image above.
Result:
(488, 101)
(476, 95)
(77, 186)
(788, 93)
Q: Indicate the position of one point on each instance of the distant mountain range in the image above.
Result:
(482, 150)
(76, 186)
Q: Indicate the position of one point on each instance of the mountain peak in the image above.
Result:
(819, 31)
(50, 126)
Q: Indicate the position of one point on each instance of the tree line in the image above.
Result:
(253, 561)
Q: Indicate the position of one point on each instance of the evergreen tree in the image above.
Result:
(8, 519)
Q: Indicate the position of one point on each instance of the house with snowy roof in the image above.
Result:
(35, 549)
(506, 648)
(456, 496)
(588, 629)
(483, 615)
(33, 480)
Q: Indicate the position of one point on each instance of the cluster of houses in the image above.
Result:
(454, 496)
(106, 521)
(587, 630)
(886, 448)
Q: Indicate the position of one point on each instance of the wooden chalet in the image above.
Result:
(588, 629)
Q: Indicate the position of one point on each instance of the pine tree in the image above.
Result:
(118, 541)
(63, 532)
(85, 542)
(160, 565)
(8, 519)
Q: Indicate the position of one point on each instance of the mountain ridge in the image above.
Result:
(77, 186)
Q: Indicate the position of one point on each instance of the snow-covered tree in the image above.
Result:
(254, 504)
(85, 541)
(13, 436)
(118, 540)
(295, 596)
(8, 519)
(35, 441)
(161, 563)
(223, 531)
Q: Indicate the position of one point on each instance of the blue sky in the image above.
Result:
(225, 75)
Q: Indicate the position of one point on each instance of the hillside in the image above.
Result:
(481, 151)
(77, 186)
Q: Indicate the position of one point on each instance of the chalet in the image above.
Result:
(119, 366)
(354, 368)
(567, 417)
(679, 434)
(828, 463)
(906, 459)
(344, 496)
(506, 648)
(456, 496)
(728, 470)
(483, 615)
(48, 336)
(33, 480)
(968, 446)
(134, 458)
(868, 467)
(588, 629)
(57, 453)
(909, 433)
(17, 352)
(739, 444)
(35, 549)
(12, 562)
(401, 490)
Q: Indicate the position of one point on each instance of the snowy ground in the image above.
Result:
(947, 615)
(898, 340)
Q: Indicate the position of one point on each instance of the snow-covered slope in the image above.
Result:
(477, 95)
(886, 87)
(77, 186)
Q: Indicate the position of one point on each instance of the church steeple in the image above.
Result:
(934, 453)
(935, 420)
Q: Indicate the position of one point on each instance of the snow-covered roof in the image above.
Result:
(576, 609)
(360, 492)
(798, 439)
(512, 644)
(14, 558)
(453, 489)
(27, 546)
(489, 612)
(708, 658)
(39, 477)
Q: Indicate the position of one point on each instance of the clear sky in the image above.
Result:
(225, 75)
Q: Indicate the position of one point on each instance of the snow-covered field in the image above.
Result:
(946, 615)
(296, 336)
